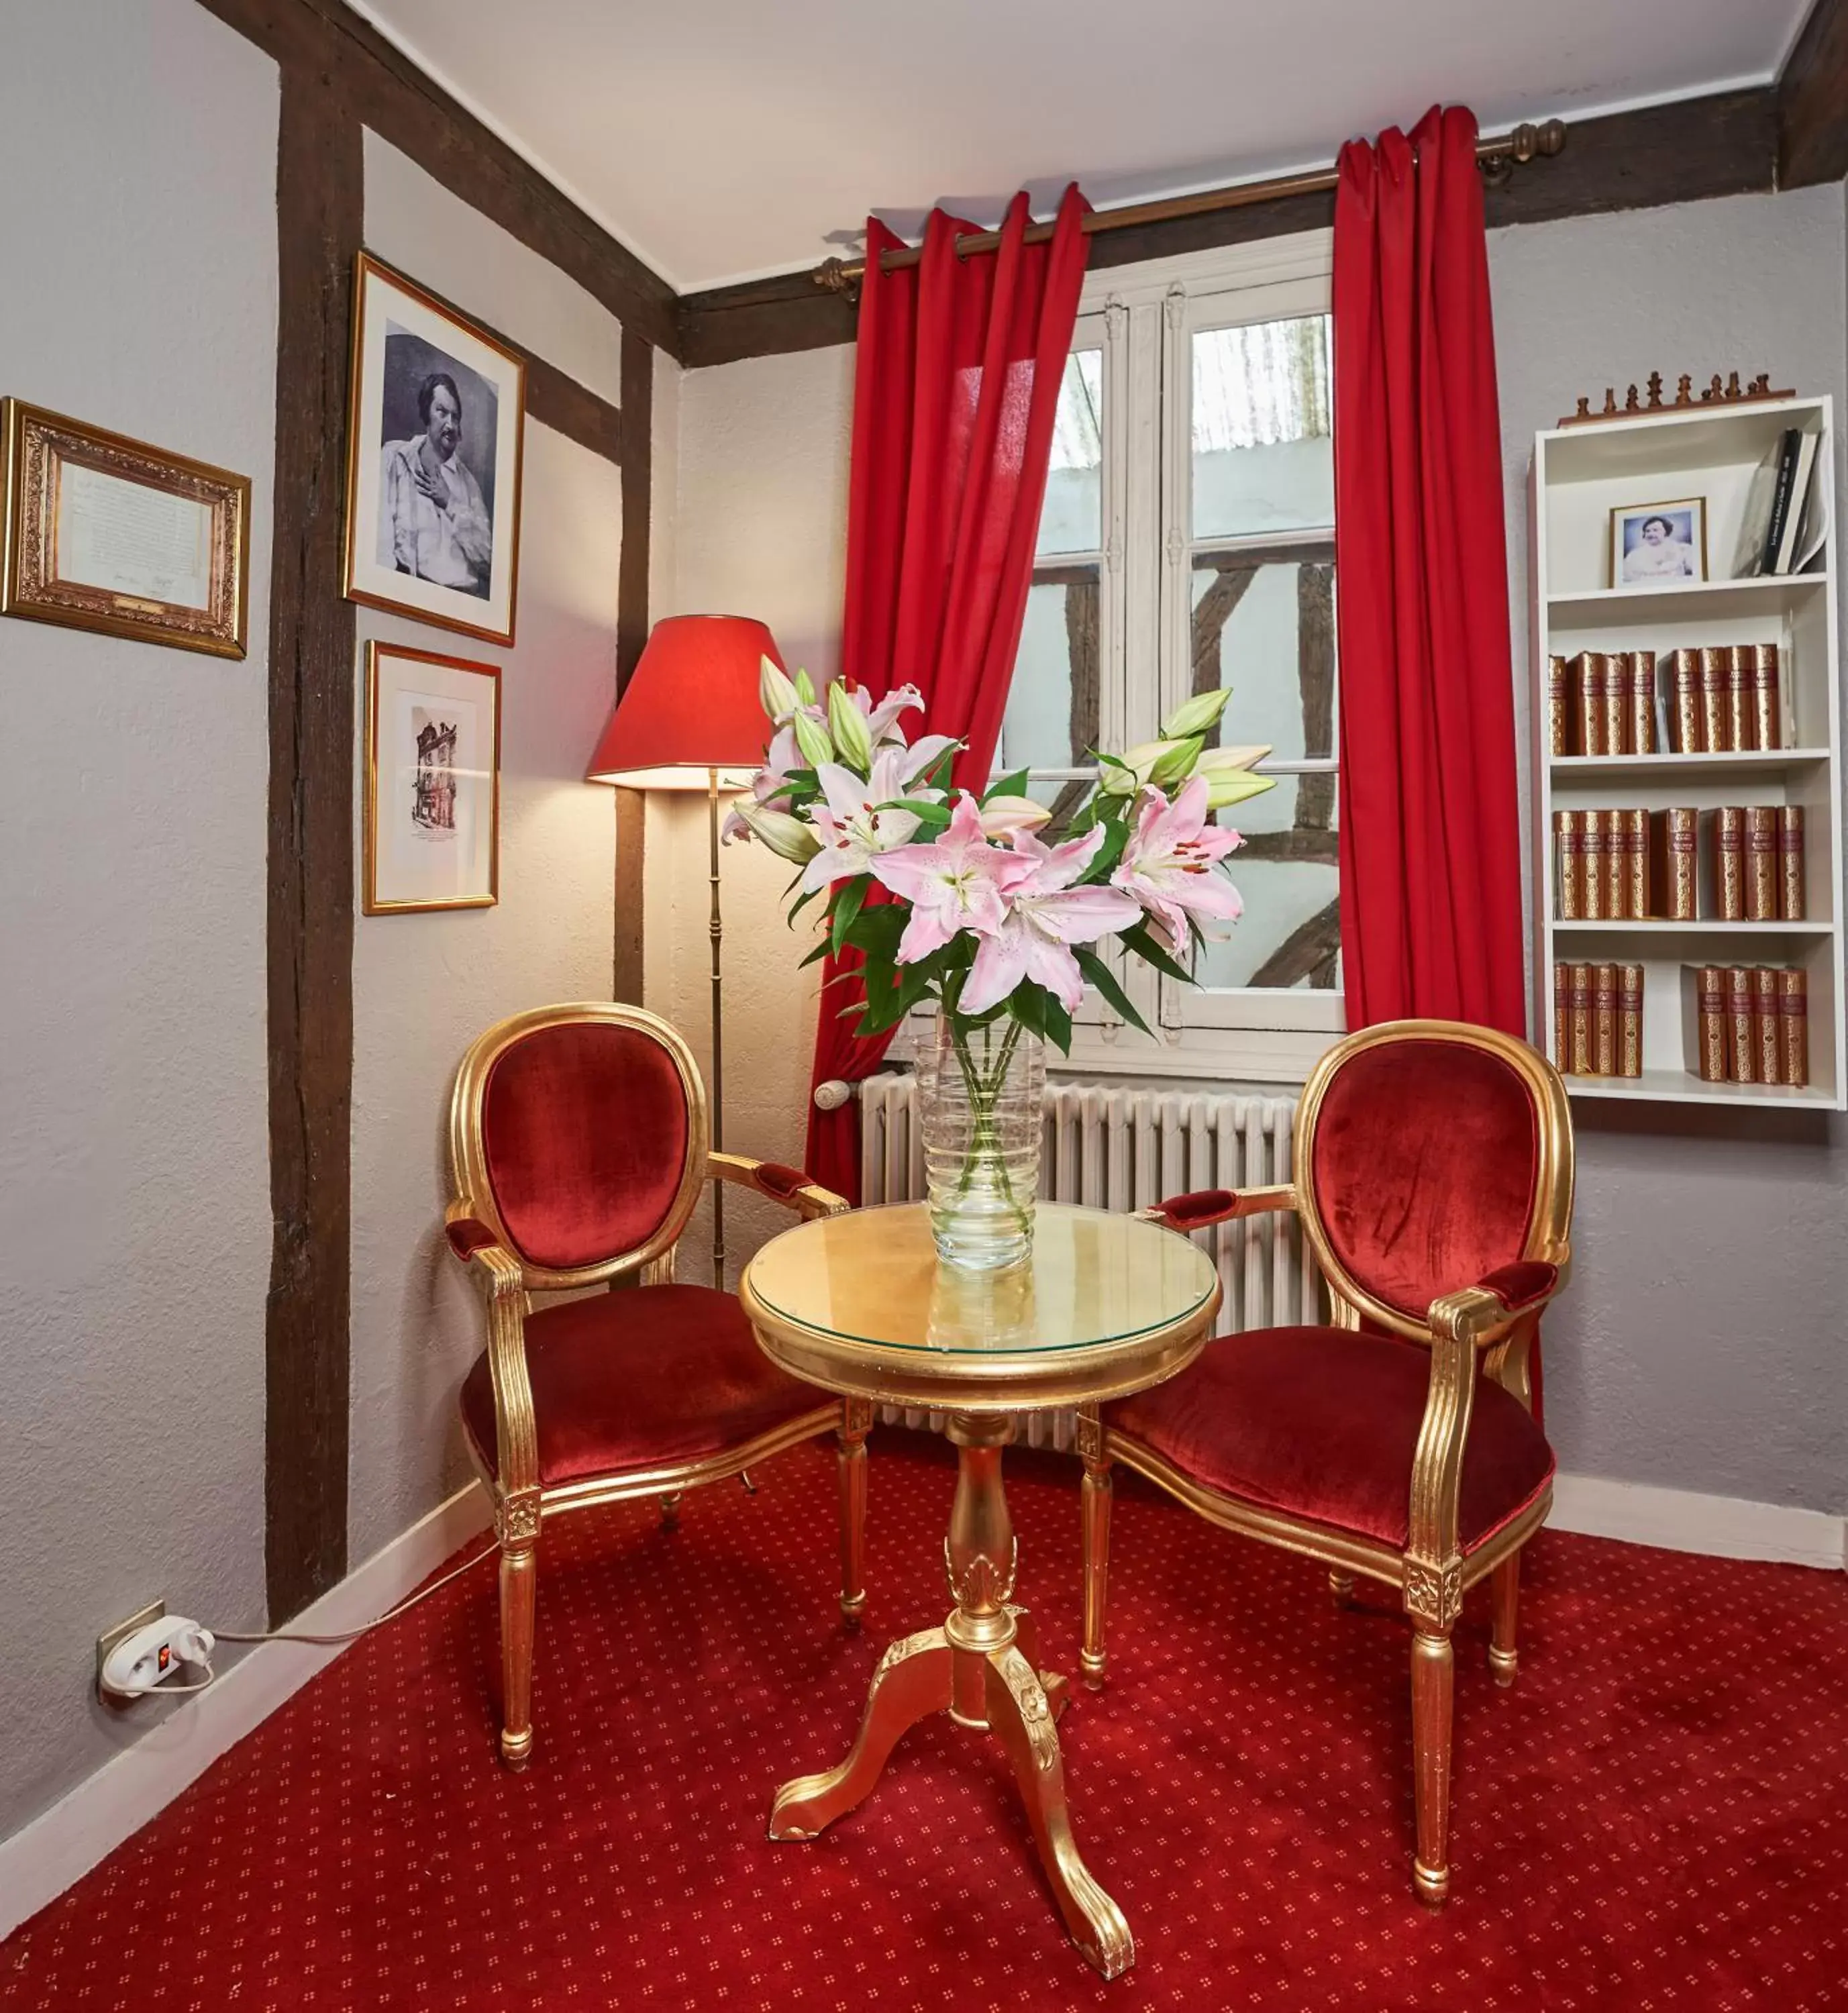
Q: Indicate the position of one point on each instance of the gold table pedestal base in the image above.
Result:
(979, 1668)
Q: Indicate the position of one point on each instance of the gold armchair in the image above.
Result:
(577, 1148)
(1434, 1168)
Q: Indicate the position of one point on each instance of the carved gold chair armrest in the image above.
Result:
(790, 1186)
(1203, 1207)
(503, 1281)
(1505, 1306)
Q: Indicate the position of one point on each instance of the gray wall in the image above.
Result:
(1704, 1342)
(138, 240)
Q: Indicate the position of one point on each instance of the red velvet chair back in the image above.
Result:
(1428, 1154)
(579, 1134)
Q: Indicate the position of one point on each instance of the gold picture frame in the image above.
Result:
(116, 535)
(1686, 514)
(432, 530)
(431, 831)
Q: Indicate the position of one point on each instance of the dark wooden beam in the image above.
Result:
(763, 318)
(1309, 951)
(381, 87)
(320, 208)
(631, 636)
(1812, 101)
(572, 409)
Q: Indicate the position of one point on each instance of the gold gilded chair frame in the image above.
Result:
(1432, 1573)
(521, 1501)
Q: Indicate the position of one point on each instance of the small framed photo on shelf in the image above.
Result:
(109, 534)
(433, 430)
(1656, 545)
(433, 738)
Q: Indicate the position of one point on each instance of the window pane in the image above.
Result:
(1071, 519)
(1289, 935)
(1264, 457)
(1266, 629)
(1051, 720)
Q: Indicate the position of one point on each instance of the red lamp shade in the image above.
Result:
(691, 707)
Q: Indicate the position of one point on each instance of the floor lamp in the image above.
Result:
(689, 718)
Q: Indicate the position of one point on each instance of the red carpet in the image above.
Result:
(1655, 1818)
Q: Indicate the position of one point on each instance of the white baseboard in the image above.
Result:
(57, 1847)
(1723, 1527)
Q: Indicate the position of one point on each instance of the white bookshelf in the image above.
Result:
(1580, 474)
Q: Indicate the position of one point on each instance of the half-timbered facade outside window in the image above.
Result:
(1188, 542)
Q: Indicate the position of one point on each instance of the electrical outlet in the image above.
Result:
(122, 1631)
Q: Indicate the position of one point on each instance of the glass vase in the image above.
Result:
(980, 1092)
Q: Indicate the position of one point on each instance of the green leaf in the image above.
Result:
(849, 897)
(877, 930)
(1138, 939)
(1027, 1003)
(1105, 980)
(1007, 786)
(821, 951)
(1115, 838)
(934, 817)
(1058, 1024)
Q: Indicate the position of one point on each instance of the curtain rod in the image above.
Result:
(1496, 158)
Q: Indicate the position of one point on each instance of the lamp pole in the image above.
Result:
(714, 931)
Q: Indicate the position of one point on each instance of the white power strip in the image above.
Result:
(146, 1659)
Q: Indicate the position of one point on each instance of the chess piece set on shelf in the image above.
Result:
(1727, 392)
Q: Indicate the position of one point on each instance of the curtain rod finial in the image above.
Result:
(838, 277)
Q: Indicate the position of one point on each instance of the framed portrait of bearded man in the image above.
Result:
(435, 411)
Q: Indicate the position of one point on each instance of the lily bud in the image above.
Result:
(1175, 762)
(1233, 786)
(1216, 761)
(848, 725)
(805, 688)
(1198, 715)
(1002, 815)
(775, 694)
(788, 837)
(811, 738)
(1137, 762)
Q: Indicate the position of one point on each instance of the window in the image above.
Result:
(1188, 542)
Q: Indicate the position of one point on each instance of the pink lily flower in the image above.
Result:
(1046, 915)
(852, 829)
(1168, 865)
(958, 882)
(882, 719)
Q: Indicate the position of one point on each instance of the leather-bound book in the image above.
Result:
(1613, 822)
(1761, 863)
(1587, 670)
(1704, 991)
(1741, 1037)
(1790, 862)
(1592, 853)
(1562, 1015)
(1729, 864)
(1579, 1046)
(1604, 1020)
(1794, 1042)
(1616, 703)
(1766, 1016)
(1741, 706)
(1716, 677)
(1568, 838)
(1639, 726)
(1629, 1020)
(1559, 708)
(1686, 721)
(1633, 826)
(1768, 723)
(1674, 863)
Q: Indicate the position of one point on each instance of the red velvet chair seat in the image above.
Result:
(640, 1379)
(1322, 1423)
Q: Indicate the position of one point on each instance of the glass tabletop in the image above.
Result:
(873, 1276)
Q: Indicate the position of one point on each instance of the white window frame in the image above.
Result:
(1148, 315)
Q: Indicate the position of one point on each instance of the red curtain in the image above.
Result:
(958, 370)
(1430, 847)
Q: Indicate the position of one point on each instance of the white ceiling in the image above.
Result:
(725, 139)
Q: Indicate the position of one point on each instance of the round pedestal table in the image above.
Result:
(859, 1304)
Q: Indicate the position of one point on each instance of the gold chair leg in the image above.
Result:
(670, 1511)
(1340, 1585)
(1433, 1663)
(519, 1579)
(850, 1440)
(1097, 1492)
(1504, 1584)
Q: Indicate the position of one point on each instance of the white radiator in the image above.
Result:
(1120, 1149)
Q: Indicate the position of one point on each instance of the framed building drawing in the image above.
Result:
(432, 822)
(436, 409)
(107, 533)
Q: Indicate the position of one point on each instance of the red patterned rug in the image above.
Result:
(1654, 1817)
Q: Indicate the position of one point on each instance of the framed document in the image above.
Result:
(433, 760)
(437, 407)
(103, 532)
